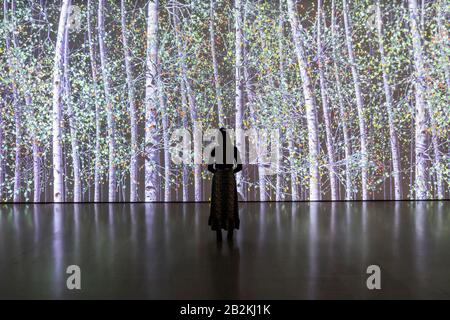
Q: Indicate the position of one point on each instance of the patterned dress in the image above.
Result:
(224, 212)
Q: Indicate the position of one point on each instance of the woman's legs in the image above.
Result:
(230, 234)
(219, 234)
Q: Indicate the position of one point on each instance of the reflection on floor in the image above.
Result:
(282, 251)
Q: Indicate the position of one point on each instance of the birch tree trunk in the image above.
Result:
(249, 90)
(109, 103)
(282, 87)
(197, 141)
(437, 156)
(16, 103)
(94, 72)
(58, 169)
(192, 108)
(35, 144)
(325, 107)
(2, 156)
(359, 101)
(36, 157)
(131, 107)
(240, 142)
(165, 127)
(72, 122)
(151, 104)
(438, 184)
(294, 192)
(310, 104)
(250, 94)
(220, 112)
(342, 113)
(395, 154)
(184, 109)
(36, 172)
(422, 14)
(420, 116)
(289, 134)
(260, 138)
(184, 104)
(445, 42)
(261, 169)
(443, 47)
(278, 177)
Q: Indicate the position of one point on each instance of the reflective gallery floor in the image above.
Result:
(282, 251)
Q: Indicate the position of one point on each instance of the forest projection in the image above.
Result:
(92, 92)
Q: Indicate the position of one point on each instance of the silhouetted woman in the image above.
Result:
(224, 162)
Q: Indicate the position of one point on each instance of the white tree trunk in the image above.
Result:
(359, 101)
(325, 107)
(250, 94)
(109, 103)
(197, 151)
(165, 127)
(310, 104)
(434, 134)
(439, 184)
(292, 156)
(131, 107)
(151, 104)
(282, 87)
(422, 14)
(36, 150)
(342, 113)
(184, 103)
(36, 157)
(58, 169)
(279, 178)
(443, 47)
(220, 112)
(261, 168)
(2, 156)
(97, 107)
(184, 109)
(445, 42)
(421, 184)
(395, 154)
(165, 133)
(16, 105)
(196, 126)
(249, 90)
(36, 172)
(240, 142)
(437, 158)
(72, 123)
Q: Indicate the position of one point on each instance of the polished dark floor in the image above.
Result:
(282, 251)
